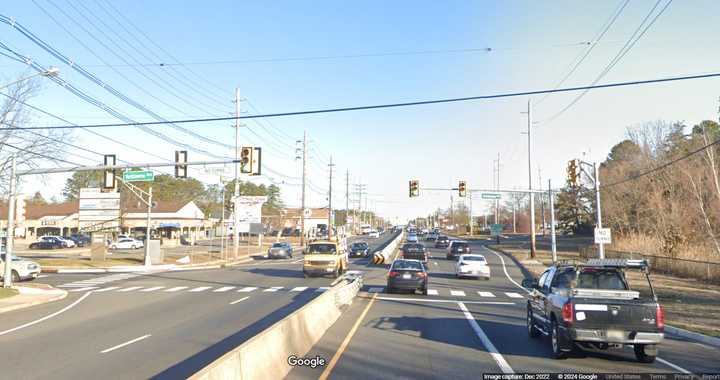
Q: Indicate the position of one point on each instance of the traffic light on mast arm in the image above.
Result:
(246, 160)
(414, 188)
(572, 173)
(461, 189)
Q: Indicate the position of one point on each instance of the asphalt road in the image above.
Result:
(158, 325)
(467, 328)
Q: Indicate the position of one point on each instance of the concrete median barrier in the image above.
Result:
(384, 256)
(266, 355)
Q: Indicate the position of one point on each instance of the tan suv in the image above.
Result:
(324, 257)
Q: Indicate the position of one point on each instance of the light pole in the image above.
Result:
(51, 72)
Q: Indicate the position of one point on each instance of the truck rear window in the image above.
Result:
(601, 279)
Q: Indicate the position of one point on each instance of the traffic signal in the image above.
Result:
(109, 177)
(461, 189)
(181, 164)
(414, 188)
(572, 174)
(246, 155)
(256, 162)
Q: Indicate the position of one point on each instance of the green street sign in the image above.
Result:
(496, 229)
(139, 176)
(490, 195)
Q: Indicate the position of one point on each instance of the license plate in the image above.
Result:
(406, 277)
(615, 335)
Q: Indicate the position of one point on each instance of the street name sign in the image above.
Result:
(139, 176)
(496, 229)
(490, 195)
(603, 236)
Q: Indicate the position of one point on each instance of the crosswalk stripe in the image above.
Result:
(152, 289)
(223, 289)
(84, 289)
(432, 292)
(514, 295)
(106, 289)
(458, 293)
(200, 289)
(273, 289)
(175, 289)
(486, 294)
(72, 286)
(299, 289)
(247, 289)
(130, 289)
(375, 290)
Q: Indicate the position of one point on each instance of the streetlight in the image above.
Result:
(51, 72)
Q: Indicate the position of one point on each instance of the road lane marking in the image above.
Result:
(432, 292)
(322, 289)
(72, 286)
(299, 289)
(513, 295)
(346, 342)
(457, 293)
(130, 289)
(506, 272)
(375, 289)
(66, 308)
(443, 301)
(42, 276)
(84, 289)
(273, 289)
(499, 359)
(200, 289)
(175, 289)
(106, 289)
(247, 289)
(223, 289)
(240, 300)
(485, 294)
(675, 366)
(152, 289)
(121, 345)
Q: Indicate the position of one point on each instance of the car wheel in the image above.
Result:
(424, 291)
(555, 341)
(15, 276)
(640, 354)
(113, 247)
(133, 247)
(532, 331)
(389, 290)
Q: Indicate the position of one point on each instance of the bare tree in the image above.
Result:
(29, 147)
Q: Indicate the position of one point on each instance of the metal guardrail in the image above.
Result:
(707, 271)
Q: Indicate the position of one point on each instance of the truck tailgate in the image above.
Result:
(614, 314)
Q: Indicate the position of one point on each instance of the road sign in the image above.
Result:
(603, 236)
(490, 195)
(496, 229)
(139, 176)
(307, 212)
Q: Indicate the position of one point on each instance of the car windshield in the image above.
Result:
(278, 245)
(407, 265)
(359, 245)
(460, 245)
(322, 248)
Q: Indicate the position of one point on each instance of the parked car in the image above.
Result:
(21, 269)
(126, 243)
(46, 244)
(280, 250)
(407, 275)
(472, 266)
(591, 305)
(78, 242)
(414, 251)
(457, 248)
(359, 249)
(69, 243)
(55, 239)
(442, 242)
(81, 239)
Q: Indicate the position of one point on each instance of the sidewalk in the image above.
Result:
(214, 264)
(30, 296)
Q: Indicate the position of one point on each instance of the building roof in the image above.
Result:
(37, 211)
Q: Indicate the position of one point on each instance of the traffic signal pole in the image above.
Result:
(236, 193)
(7, 273)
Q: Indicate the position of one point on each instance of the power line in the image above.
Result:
(391, 105)
(40, 154)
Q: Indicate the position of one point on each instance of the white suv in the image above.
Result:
(21, 269)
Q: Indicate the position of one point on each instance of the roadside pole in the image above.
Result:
(553, 243)
(601, 246)
(7, 274)
(470, 212)
(530, 194)
(236, 216)
(148, 230)
(222, 223)
(304, 174)
(330, 210)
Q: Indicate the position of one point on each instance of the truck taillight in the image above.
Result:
(660, 317)
(567, 312)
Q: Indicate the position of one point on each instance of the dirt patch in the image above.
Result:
(8, 292)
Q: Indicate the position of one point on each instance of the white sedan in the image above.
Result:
(374, 234)
(127, 243)
(472, 266)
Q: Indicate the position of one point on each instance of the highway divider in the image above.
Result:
(268, 354)
(384, 256)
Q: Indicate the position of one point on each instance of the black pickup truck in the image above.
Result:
(414, 251)
(592, 306)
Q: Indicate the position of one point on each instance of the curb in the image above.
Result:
(125, 269)
(38, 302)
(702, 338)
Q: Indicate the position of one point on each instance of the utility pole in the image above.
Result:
(530, 194)
(148, 229)
(542, 203)
(347, 196)
(553, 243)
(330, 209)
(601, 246)
(236, 194)
(304, 175)
(452, 212)
(7, 274)
(497, 187)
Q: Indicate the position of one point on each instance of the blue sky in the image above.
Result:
(533, 44)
